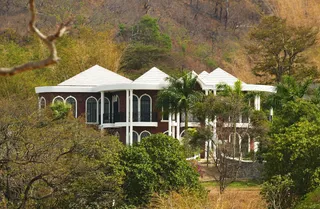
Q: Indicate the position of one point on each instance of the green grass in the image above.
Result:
(236, 184)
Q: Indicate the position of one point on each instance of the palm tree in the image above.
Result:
(179, 96)
(288, 89)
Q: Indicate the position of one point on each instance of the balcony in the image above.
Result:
(139, 119)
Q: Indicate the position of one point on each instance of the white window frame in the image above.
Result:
(139, 106)
(137, 135)
(87, 109)
(45, 102)
(53, 100)
(99, 109)
(76, 104)
(145, 131)
(138, 99)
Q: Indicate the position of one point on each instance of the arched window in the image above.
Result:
(42, 103)
(135, 138)
(58, 99)
(245, 144)
(73, 102)
(135, 108)
(144, 134)
(116, 108)
(116, 134)
(146, 108)
(106, 107)
(91, 110)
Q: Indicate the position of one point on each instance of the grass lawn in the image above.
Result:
(236, 184)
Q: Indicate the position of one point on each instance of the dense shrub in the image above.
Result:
(157, 165)
(311, 201)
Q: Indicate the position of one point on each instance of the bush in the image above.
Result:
(311, 201)
(277, 192)
(156, 165)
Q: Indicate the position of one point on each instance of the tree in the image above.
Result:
(179, 96)
(50, 163)
(296, 151)
(48, 40)
(225, 109)
(278, 49)
(157, 165)
(147, 45)
(277, 192)
(289, 89)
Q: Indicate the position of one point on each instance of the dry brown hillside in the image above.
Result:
(204, 34)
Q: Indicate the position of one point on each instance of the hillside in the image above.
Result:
(205, 34)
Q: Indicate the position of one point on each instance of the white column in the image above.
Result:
(131, 117)
(127, 117)
(256, 102)
(259, 103)
(215, 138)
(170, 125)
(178, 125)
(173, 129)
(102, 109)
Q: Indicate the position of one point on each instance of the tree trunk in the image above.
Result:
(186, 121)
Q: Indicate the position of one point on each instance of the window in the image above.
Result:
(135, 137)
(135, 108)
(57, 99)
(91, 110)
(42, 103)
(116, 108)
(106, 107)
(145, 108)
(144, 134)
(73, 102)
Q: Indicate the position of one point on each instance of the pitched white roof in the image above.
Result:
(219, 76)
(203, 74)
(152, 76)
(95, 76)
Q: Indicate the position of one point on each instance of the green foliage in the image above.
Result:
(277, 192)
(158, 165)
(147, 45)
(78, 51)
(49, 163)
(289, 89)
(200, 136)
(278, 49)
(311, 200)
(140, 178)
(293, 112)
(179, 96)
(60, 110)
(139, 55)
(296, 151)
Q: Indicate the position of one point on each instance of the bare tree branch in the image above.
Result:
(48, 40)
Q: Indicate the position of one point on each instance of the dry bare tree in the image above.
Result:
(49, 40)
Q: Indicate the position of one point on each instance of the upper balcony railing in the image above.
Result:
(137, 117)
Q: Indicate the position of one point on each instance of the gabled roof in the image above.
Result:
(203, 74)
(219, 76)
(95, 76)
(152, 76)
